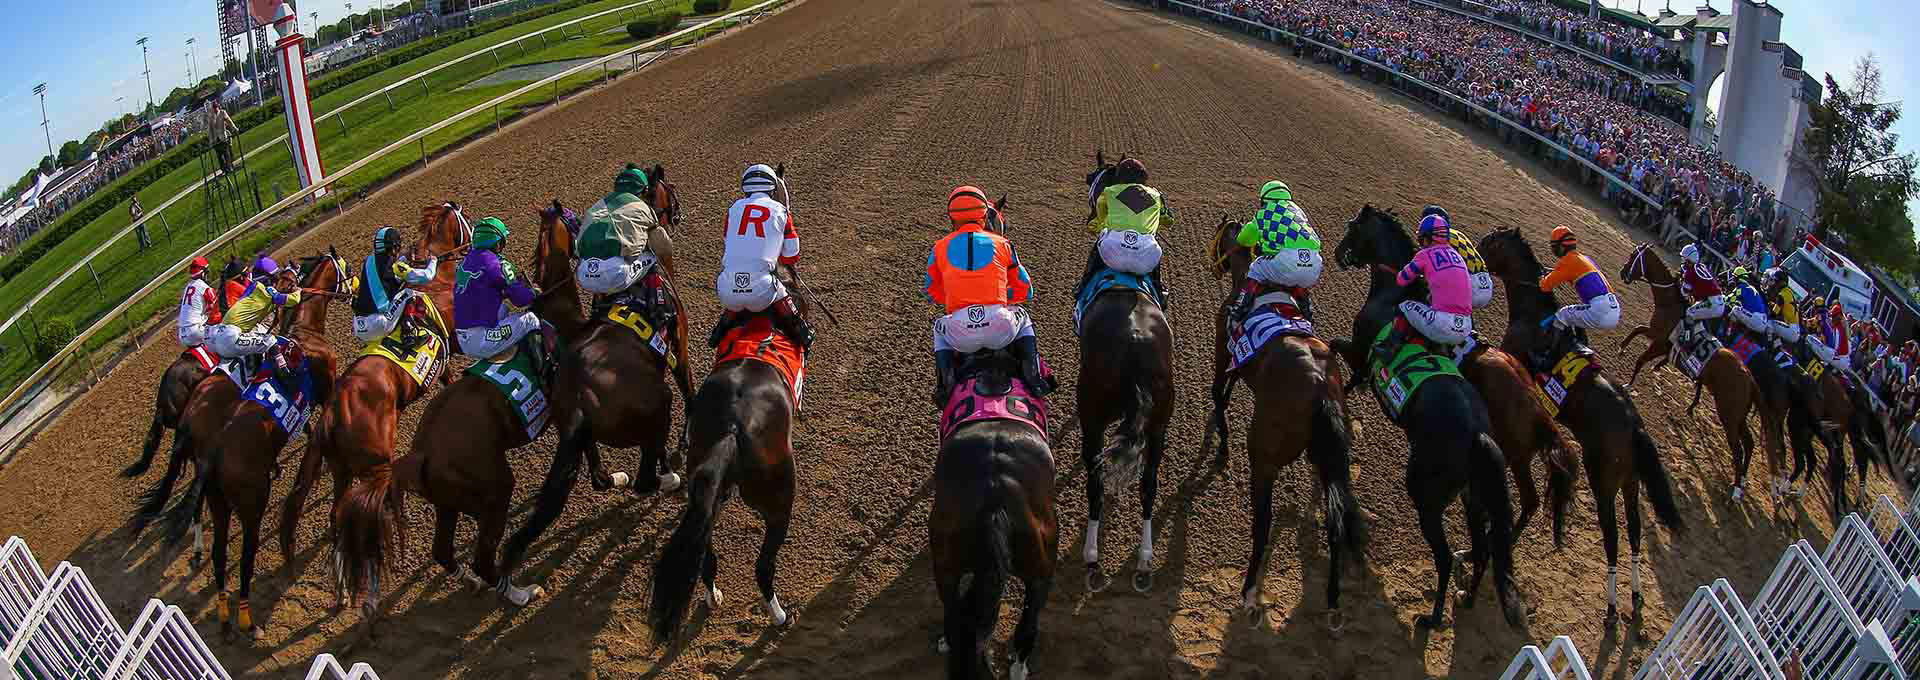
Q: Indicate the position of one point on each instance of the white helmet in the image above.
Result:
(1690, 253)
(759, 179)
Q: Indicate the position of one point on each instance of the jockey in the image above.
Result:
(1782, 306)
(243, 329)
(1751, 310)
(199, 306)
(1448, 320)
(1463, 244)
(760, 236)
(622, 239)
(1599, 308)
(1697, 284)
(1832, 346)
(234, 280)
(1286, 250)
(485, 291)
(974, 273)
(1126, 217)
(389, 278)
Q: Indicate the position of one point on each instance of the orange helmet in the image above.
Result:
(967, 204)
(1563, 236)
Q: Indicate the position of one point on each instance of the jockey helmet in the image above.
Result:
(631, 180)
(1436, 228)
(197, 267)
(489, 233)
(1130, 171)
(1836, 312)
(232, 270)
(759, 179)
(1563, 236)
(1690, 253)
(386, 240)
(967, 204)
(1739, 273)
(1435, 209)
(265, 266)
(1276, 191)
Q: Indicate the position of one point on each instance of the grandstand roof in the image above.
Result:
(1691, 22)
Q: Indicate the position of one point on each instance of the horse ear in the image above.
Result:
(1100, 158)
(659, 173)
(1001, 205)
(780, 171)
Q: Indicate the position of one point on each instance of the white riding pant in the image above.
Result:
(1754, 321)
(229, 341)
(1482, 289)
(1600, 314)
(1789, 332)
(610, 275)
(1829, 357)
(193, 335)
(481, 342)
(981, 327)
(1714, 307)
(1446, 328)
(748, 291)
(1129, 251)
(1298, 268)
(373, 327)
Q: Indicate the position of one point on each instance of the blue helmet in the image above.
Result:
(265, 266)
(1435, 227)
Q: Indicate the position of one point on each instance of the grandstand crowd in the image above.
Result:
(162, 136)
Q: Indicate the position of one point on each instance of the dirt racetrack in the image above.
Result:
(879, 107)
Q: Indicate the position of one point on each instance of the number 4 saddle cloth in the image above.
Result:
(1570, 369)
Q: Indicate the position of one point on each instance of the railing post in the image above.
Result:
(389, 96)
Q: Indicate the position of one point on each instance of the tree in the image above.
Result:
(70, 153)
(1864, 181)
(46, 165)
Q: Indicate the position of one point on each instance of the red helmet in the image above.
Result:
(967, 204)
(198, 265)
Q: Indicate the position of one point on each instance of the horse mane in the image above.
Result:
(1528, 259)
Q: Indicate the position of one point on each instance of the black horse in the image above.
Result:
(1452, 451)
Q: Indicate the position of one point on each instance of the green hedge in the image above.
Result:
(654, 25)
(710, 6)
(100, 202)
(52, 335)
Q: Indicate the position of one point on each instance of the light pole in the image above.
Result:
(148, 70)
(349, 18)
(316, 27)
(193, 66)
(41, 90)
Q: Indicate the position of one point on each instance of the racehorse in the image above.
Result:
(238, 465)
(1613, 439)
(1735, 392)
(458, 457)
(1299, 407)
(1521, 426)
(741, 429)
(362, 419)
(1126, 377)
(1846, 407)
(169, 401)
(992, 518)
(1453, 450)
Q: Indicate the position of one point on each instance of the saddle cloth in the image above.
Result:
(1551, 387)
(971, 401)
(1110, 279)
(1266, 321)
(1398, 372)
(514, 374)
(757, 340)
(630, 318)
(205, 357)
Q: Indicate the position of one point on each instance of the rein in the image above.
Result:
(1637, 268)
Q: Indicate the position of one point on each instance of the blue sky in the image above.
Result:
(87, 62)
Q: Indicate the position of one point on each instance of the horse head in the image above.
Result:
(1508, 254)
(1374, 237)
(553, 254)
(443, 228)
(1644, 265)
(1224, 252)
(1098, 179)
(662, 195)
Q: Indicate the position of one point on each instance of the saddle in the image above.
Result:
(987, 388)
(1693, 346)
(756, 339)
(1273, 314)
(203, 356)
(650, 310)
(1400, 363)
(522, 382)
(1104, 280)
(1571, 364)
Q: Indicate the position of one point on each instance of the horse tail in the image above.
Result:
(1122, 461)
(1653, 476)
(151, 445)
(1636, 332)
(1698, 385)
(295, 503)
(1487, 481)
(186, 511)
(974, 619)
(1330, 449)
(680, 566)
(1560, 480)
(151, 502)
(368, 526)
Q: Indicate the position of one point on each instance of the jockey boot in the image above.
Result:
(786, 316)
(1544, 344)
(721, 326)
(1159, 287)
(1027, 350)
(942, 377)
(1305, 303)
(1397, 336)
(600, 306)
(1094, 264)
(1242, 300)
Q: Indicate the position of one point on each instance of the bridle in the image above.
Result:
(1636, 269)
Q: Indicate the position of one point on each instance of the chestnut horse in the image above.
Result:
(1613, 439)
(362, 419)
(1299, 407)
(458, 457)
(238, 465)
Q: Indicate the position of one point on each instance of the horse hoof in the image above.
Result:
(1430, 622)
(622, 480)
(669, 483)
(1142, 581)
(1017, 671)
(1461, 600)
(1097, 581)
(713, 597)
(1738, 493)
(194, 561)
(1612, 615)
(1336, 622)
(940, 645)
(777, 613)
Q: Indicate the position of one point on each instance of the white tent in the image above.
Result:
(235, 90)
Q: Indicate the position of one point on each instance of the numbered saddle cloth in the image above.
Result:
(1398, 372)
(1266, 321)
(422, 364)
(290, 405)
(1751, 349)
(1110, 279)
(1693, 346)
(1572, 368)
(635, 319)
(973, 400)
(757, 340)
(200, 354)
(240, 369)
(520, 383)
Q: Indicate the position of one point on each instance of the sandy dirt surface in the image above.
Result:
(879, 107)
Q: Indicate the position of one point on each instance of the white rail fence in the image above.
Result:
(492, 107)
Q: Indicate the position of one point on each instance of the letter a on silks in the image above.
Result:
(292, 52)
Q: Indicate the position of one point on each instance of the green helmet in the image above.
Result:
(489, 233)
(1276, 191)
(631, 180)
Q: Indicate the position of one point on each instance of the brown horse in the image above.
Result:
(362, 419)
(1735, 394)
(1299, 407)
(1521, 426)
(1126, 378)
(239, 464)
(458, 457)
(1613, 439)
(1847, 409)
(992, 518)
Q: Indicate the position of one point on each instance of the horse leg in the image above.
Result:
(1631, 496)
(486, 551)
(222, 513)
(1027, 633)
(249, 545)
(576, 438)
(1262, 487)
(1610, 539)
(1222, 398)
(1433, 527)
(1092, 435)
(654, 456)
(1645, 356)
(445, 522)
(709, 568)
(765, 567)
(1529, 493)
(1478, 552)
(1149, 490)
